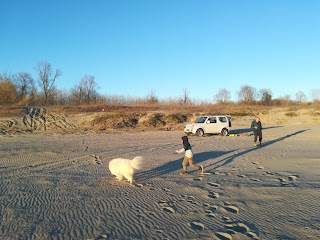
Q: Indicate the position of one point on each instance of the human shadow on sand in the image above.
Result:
(228, 160)
(175, 165)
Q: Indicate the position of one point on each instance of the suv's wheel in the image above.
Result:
(224, 132)
(200, 132)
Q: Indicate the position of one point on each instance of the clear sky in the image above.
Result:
(134, 46)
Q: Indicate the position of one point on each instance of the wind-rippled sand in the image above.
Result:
(59, 187)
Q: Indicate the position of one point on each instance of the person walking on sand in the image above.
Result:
(188, 157)
(257, 131)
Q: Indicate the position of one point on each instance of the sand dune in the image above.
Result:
(59, 187)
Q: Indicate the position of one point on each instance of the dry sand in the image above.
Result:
(58, 186)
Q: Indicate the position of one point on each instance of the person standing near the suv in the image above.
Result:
(257, 131)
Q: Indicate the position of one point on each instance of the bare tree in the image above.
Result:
(223, 96)
(152, 98)
(62, 97)
(85, 90)
(286, 99)
(33, 98)
(24, 83)
(77, 93)
(301, 97)
(90, 88)
(185, 96)
(265, 96)
(315, 95)
(47, 79)
(247, 94)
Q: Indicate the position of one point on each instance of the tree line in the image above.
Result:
(23, 89)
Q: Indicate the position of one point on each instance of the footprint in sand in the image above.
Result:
(197, 179)
(292, 178)
(168, 209)
(97, 159)
(213, 195)
(231, 208)
(103, 236)
(214, 208)
(255, 179)
(165, 206)
(283, 180)
(152, 213)
(197, 225)
(213, 184)
(166, 189)
(162, 202)
(241, 227)
(227, 219)
(223, 235)
(285, 184)
(204, 174)
(209, 213)
(252, 235)
(191, 201)
(260, 167)
(242, 175)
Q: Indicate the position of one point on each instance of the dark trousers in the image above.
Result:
(256, 134)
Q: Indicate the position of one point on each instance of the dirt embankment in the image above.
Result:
(37, 120)
(124, 119)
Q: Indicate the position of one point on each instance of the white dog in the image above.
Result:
(125, 167)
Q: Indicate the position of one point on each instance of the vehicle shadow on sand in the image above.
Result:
(249, 130)
(175, 165)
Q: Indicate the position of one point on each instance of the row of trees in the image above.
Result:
(248, 94)
(22, 89)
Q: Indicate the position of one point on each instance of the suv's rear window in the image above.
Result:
(223, 119)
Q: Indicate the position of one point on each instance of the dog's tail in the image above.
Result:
(137, 162)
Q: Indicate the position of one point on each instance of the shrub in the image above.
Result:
(176, 118)
(155, 120)
(291, 114)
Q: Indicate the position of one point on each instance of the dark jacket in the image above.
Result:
(256, 124)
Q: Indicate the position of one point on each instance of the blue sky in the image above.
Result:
(133, 47)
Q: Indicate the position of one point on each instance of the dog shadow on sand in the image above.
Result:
(176, 165)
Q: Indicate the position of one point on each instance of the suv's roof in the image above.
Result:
(215, 116)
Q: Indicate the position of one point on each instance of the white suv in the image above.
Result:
(213, 124)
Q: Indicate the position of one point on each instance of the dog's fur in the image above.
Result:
(125, 167)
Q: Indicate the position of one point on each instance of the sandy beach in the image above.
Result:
(58, 186)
